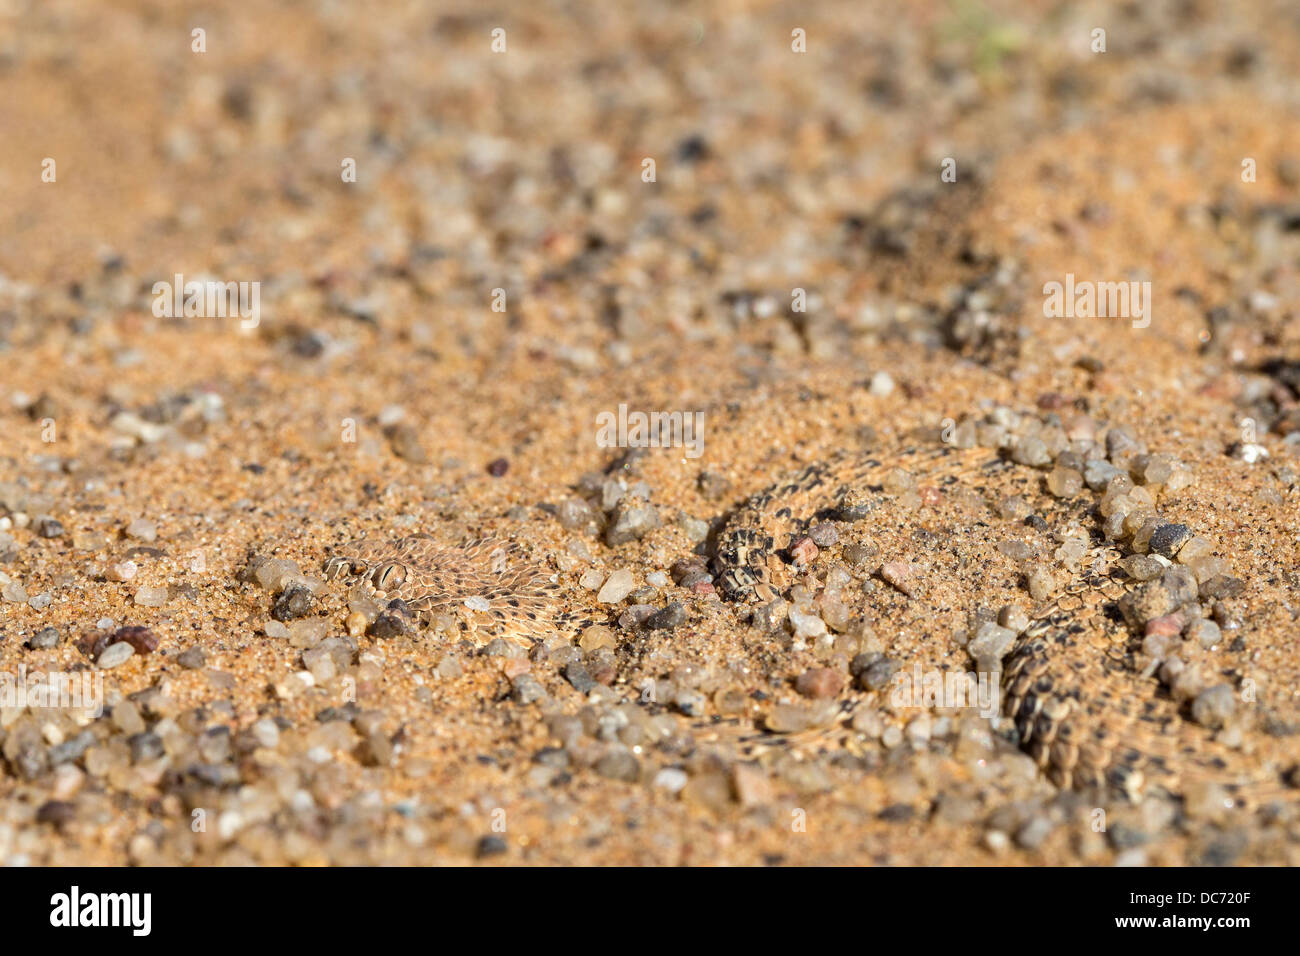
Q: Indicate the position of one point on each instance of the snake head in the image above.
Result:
(365, 560)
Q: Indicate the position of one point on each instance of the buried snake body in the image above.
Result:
(1078, 684)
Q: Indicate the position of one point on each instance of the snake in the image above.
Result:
(1076, 685)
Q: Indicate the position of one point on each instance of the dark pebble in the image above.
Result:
(498, 468)
(142, 639)
(490, 846)
(294, 602)
(387, 626)
(57, 812)
(672, 616)
(145, 747)
(72, 749)
(576, 674)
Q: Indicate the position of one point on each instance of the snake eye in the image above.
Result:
(389, 576)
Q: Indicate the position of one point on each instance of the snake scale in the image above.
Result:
(1077, 684)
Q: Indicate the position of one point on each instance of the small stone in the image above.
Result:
(1142, 567)
(142, 529)
(1097, 474)
(491, 845)
(48, 527)
(1041, 583)
(595, 637)
(1168, 539)
(820, 683)
(114, 655)
(667, 618)
(1193, 550)
(294, 602)
(498, 467)
(388, 626)
(882, 384)
(1014, 508)
(191, 659)
(824, 535)
(121, 571)
(804, 551)
(1214, 706)
(576, 674)
(404, 440)
(150, 597)
(45, 638)
(142, 640)
(1064, 482)
(633, 518)
(899, 574)
(14, 593)
(992, 642)
(793, 718)
(618, 765)
(1031, 451)
(1014, 618)
(1204, 632)
(617, 587)
(526, 689)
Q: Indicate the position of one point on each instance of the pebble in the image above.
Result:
(404, 439)
(820, 683)
(1167, 539)
(632, 520)
(882, 384)
(39, 602)
(115, 654)
(1041, 583)
(793, 718)
(667, 618)
(150, 597)
(991, 643)
(1014, 618)
(617, 587)
(596, 636)
(672, 779)
(142, 529)
(576, 674)
(574, 514)
(1214, 706)
(873, 670)
(618, 765)
(191, 659)
(141, 639)
(806, 623)
(899, 574)
(14, 593)
(45, 638)
(526, 689)
(294, 601)
(48, 527)
(121, 571)
(388, 626)
(804, 551)
(1064, 482)
(1204, 632)
(498, 467)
